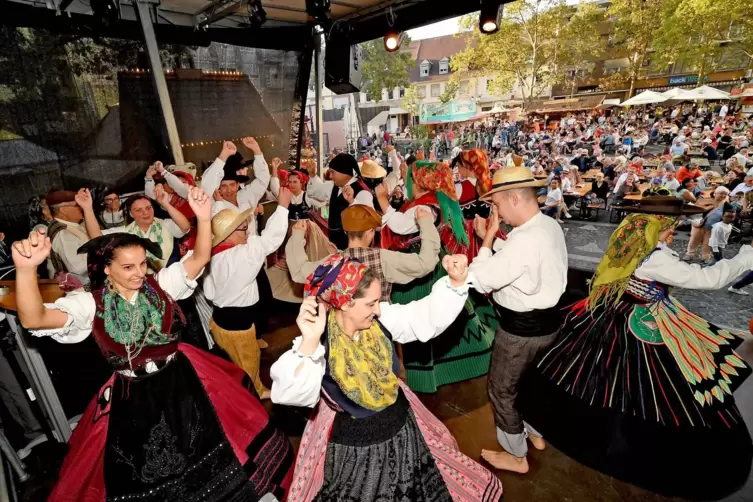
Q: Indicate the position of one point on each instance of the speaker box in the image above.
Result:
(342, 66)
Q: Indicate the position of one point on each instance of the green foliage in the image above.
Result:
(538, 43)
(420, 131)
(450, 89)
(384, 70)
(411, 101)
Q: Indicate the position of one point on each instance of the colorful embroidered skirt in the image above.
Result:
(405, 455)
(462, 352)
(643, 392)
(192, 431)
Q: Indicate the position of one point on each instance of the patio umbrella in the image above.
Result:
(676, 94)
(645, 98)
(706, 92)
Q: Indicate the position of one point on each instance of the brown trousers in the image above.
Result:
(511, 356)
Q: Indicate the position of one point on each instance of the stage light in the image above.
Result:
(490, 16)
(393, 40)
(257, 16)
(318, 9)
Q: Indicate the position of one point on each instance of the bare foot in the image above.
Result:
(265, 394)
(505, 461)
(262, 344)
(537, 441)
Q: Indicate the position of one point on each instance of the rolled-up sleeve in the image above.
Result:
(424, 319)
(304, 388)
(80, 307)
(318, 189)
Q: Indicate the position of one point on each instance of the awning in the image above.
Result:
(380, 119)
(610, 102)
(568, 105)
(398, 111)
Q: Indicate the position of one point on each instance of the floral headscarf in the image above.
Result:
(335, 281)
(635, 238)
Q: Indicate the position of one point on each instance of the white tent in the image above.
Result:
(706, 92)
(676, 94)
(645, 98)
(380, 120)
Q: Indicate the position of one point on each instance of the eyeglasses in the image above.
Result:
(112, 199)
(241, 229)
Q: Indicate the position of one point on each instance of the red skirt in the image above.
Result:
(261, 458)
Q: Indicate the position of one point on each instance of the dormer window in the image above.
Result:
(444, 66)
(425, 67)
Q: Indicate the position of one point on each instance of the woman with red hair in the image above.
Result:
(473, 168)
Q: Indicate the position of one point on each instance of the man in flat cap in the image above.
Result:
(344, 186)
(67, 235)
(360, 222)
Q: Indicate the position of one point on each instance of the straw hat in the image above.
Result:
(372, 170)
(226, 221)
(513, 177)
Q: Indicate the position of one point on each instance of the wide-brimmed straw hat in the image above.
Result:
(372, 170)
(226, 222)
(513, 177)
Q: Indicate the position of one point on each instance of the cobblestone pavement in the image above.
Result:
(587, 242)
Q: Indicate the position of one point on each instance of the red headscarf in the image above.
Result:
(335, 281)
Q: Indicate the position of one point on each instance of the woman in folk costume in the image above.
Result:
(370, 438)
(172, 422)
(464, 352)
(300, 208)
(638, 387)
(473, 168)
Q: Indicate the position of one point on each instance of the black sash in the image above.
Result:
(534, 323)
(236, 318)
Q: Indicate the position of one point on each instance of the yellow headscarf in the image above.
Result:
(634, 239)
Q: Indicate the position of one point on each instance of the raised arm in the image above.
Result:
(178, 218)
(297, 374)
(84, 199)
(424, 319)
(201, 204)
(28, 254)
(212, 177)
(295, 254)
(180, 188)
(254, 191)
(402, 268)
(274, 182)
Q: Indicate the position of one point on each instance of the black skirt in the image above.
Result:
(609, 394)
(381, 458)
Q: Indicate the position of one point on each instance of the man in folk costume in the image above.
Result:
(67, 235)
(301, 208)
(526, 275)
(361, 223)
(373, 175)
(346, 175)
(464, 351)
(237, 259)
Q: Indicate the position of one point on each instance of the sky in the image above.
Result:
(446, 27)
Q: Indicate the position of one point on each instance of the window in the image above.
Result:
(486, 108)
(422, 91)
(489, 85)
(425, 67)
(444, 66)
(402, 92)
(463, 88)
(435, 92)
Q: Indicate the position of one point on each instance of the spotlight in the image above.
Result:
(257, 16)
(393, 40)
(318, 9)
(490, 16)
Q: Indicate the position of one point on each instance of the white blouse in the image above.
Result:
(81, 308)
(403, 223)
(664, 266)
(420, 320)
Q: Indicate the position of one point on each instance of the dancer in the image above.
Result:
(638, 387)
(473, 168)
(526, 275)
(237, 261)
(345, 173)
(370, 438)
(301, 208)
(173, 422)
(464, 351)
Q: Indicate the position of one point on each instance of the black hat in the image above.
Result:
(233, 163)
(345, 164)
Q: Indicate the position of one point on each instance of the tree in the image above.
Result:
(384, 70)
(412, 101)
(538, 44)
(704, 35)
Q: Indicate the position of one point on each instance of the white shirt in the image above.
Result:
(720, 232)
(420, 320)
(567, 185)
(623, 177)
(180, 188)
(170, 231)
(231, 279)
(112, 218)
(66, 244)
(322, 190)
(554, 197)
(672, 184)
(403, 223)
(528, 271)
(664, 266)
(81, 309)
(741, 188)
(274, 186)
(723, 111)
(248, 196)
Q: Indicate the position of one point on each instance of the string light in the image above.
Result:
(220, 141)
